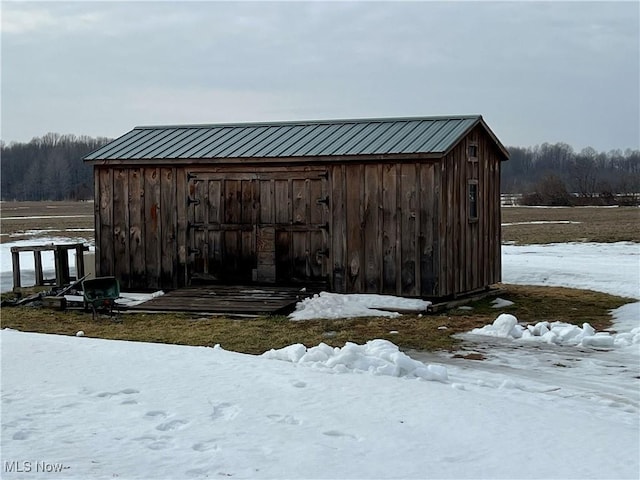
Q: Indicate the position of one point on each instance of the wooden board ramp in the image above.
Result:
(231, 299)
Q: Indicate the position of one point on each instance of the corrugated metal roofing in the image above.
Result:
(385, 136)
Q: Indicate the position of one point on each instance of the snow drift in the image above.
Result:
(379, 357)
(559, 333)
(333, 305)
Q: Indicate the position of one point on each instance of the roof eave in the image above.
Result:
(393, 157)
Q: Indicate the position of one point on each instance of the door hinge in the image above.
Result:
(323, 200)
(192, 201)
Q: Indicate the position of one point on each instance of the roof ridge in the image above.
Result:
(314, 122)
(388, 136)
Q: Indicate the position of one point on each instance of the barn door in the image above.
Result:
(222, 228)
(249, 227)
(301, 222)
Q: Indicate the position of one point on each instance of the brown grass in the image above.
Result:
(532, 304)
(617, 224)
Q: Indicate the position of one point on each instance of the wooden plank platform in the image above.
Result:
(231, 299)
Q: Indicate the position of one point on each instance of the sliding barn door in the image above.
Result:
(258, 227)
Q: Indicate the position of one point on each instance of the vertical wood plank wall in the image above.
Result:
(137, 217)
(397, 228)
(389, 218)
(469, 251)
(404, 228)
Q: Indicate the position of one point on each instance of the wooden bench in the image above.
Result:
(61, 263)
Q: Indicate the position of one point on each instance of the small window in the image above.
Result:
(473, 200)
(473, 152)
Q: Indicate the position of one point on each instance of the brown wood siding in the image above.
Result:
(152, 227)
(122, 265)
(389, 216)
(395, 227)
(389, 229)
(136, 226)
(470, 249)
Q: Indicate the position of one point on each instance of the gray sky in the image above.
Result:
(537, 71)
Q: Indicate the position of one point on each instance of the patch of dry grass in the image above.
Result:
(534, 304)
(255, 336)
(617, 224)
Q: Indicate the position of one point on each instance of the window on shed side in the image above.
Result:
(472, 190)
(472, 152)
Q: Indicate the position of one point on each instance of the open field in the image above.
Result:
(526, 225)
(22, 220)
(521, 225)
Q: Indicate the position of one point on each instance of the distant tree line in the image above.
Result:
(554, 174)
(48, 168)
(51, 168)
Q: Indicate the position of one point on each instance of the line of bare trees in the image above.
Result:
(48, 168)
(51, 168)
(554, 174)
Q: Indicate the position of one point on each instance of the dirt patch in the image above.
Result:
(470, 356)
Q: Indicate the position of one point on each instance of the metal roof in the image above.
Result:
(385, 136)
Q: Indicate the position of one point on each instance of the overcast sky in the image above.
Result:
(537, 72)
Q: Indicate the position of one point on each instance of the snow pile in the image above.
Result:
(559, 333)
(130, 299)
(378, 357)
(501, 303)
(334, 305)
(504, 326)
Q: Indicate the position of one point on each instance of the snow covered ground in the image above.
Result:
(575, 265)
(91, 408)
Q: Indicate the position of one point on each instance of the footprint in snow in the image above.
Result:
(126, 391)
(299, 384)
(171, 425)
(337, 433)
(21, 435)
(225, 410)
(156, 413)
(286, 419)
(206, 446)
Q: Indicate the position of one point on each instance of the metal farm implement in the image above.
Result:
(100, 294)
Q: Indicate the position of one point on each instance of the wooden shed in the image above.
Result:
(402, 206)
